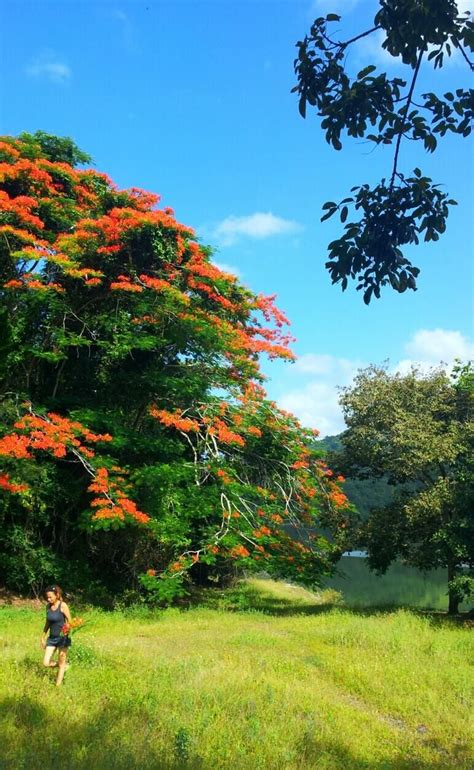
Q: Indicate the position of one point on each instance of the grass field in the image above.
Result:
(263, 676)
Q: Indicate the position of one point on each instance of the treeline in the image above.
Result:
(408, 455)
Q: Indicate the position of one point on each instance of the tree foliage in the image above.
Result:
(418, 432)
(136, 440)
(402, 208)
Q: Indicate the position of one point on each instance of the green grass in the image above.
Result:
(264, 676)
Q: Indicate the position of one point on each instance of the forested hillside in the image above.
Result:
(365, 494)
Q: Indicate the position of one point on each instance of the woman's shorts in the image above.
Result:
(58, 641)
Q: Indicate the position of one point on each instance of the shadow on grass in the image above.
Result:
(33, 737)
(314, 752)
(244, 597)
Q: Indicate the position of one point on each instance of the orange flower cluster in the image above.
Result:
(261, 532)
(211, 293)
(198, 266)
(254, 431)
(174, 420)
(124, 283)
(9, 486)
(157, 284)
(300, 464)
(29, 282)
(223, 433)
(71, 626)
(239, 550)
(56, 435)
(266, 304)
(160, 285)
(337, 497)
(84, 272)
(53, 433)
(17, 234)
(9, 150)
(113, 502)
(223, 476)
(20, 207)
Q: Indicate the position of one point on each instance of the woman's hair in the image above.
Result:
(55, 589)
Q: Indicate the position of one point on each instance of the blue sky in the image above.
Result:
(192, 100)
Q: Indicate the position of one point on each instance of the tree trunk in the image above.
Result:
(453, 606)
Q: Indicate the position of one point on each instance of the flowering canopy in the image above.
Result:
(121, 335)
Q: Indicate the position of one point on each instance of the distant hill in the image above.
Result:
(365, 494)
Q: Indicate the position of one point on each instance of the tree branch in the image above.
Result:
(405, 113)
(464, 54)
(352, 40)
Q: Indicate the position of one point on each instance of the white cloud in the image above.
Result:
(465, 5)
(430, 348)
(49, 67)
(316, 406)
(315, 401)
(369, 50)
(120, 15)
(333, 6)
(128, 32)
(313, 363)
(259, 225)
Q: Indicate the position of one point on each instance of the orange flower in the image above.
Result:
(239, 550)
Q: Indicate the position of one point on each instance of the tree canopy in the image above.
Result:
(136, 439)
(402, 208)
(418, 432)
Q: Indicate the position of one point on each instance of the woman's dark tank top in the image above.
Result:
(56, 620)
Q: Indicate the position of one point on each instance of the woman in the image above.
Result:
(57, 615)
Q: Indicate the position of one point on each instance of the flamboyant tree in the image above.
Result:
(136, 439)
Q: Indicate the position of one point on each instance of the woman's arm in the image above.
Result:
(43, 635)
(66, 612)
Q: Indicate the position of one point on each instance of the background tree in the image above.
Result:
(136, 441)
(403, 208)
(418, 432)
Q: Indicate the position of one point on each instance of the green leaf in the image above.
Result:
(366, 71)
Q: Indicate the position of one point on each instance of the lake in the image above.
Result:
(400, 586)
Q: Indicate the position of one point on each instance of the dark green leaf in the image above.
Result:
(366, 71)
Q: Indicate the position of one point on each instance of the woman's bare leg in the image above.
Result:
(48, 654)
(62, 662)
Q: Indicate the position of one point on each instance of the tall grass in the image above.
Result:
(265, 676)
